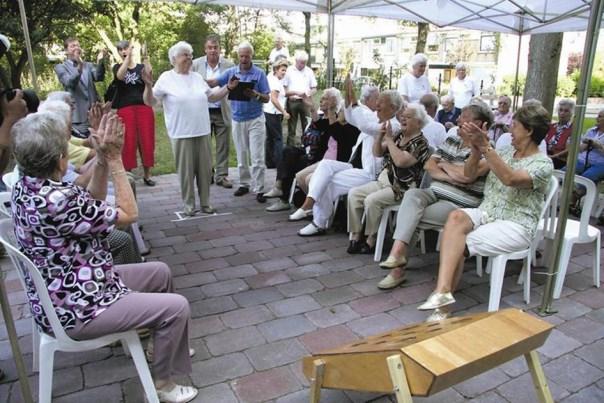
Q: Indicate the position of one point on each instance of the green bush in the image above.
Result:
(507, 86)
(566, 87)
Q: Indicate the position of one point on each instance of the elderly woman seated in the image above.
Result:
(404, 155)
(507, 218)
(502, 118)
(61, 227)
(559, 133)
(329, 137)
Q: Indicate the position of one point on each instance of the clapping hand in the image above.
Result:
(14, 109)
(479, 138)
(147, 74)
(108, 138)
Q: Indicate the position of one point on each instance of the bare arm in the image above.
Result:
(121, 71)
(147, 76)
(11, 111)
(402, 159)
(456, 172)
(218, 93)
(435, 171)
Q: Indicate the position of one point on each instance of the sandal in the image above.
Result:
(178, 394)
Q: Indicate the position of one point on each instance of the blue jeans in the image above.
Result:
(593, 172)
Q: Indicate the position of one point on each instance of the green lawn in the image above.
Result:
(164, 159)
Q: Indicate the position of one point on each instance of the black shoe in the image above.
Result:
(149, 181)
(260, 198)
(354, 247)
(366, 249)
(241, 191)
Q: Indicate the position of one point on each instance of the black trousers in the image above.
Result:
(293, 161)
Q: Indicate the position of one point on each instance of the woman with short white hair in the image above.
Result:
(462, 87)
(184, 95)
(414, 84)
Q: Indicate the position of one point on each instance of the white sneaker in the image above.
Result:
(177, 394)
(437, 300)
(274, 192)
(279, 205)
(311, 230)
(438, 315)
(300, 214)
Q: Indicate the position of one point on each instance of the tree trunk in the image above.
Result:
(422, 37)
(307, 32)
(543, 63)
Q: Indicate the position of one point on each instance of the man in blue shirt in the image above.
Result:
(449, 114)
(249, 132)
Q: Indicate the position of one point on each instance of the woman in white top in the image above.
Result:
(414, 84)
(462, 87)
(184, 95)
(274, 112)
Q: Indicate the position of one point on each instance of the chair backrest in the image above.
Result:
(588, 200)
(550, 208)
(5, 208)
(25, 266)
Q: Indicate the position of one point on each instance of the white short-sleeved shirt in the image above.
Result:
(435, 133)
(462, 91)
(299, 80)
(413, 87)
(185, 101)
(278, 52)
(275, 85)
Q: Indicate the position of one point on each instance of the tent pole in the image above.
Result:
(330, 43)
(516, 89)
(30, 54)
(589, 52)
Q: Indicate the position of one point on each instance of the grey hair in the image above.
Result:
(447, 98)
(535, 103)
(334, 92)
(419, 113)
(429, 100)
(418, 58)
(301, 55)
(507, 98)
(59, 108)
(395, 98)
(461, 66)
(480, 111)
(567, 102)
(59, 96)
(177, 49)
(367, 91)
(39, 143)
(245, 45)
(123, 44)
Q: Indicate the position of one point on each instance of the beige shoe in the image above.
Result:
(438, 315)
(274, 192)
(390, 282)
(437, 300)
(393, 263)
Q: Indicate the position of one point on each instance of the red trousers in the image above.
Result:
(139, 123)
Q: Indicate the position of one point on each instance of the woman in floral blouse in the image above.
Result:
(507, 218)
(62, 229)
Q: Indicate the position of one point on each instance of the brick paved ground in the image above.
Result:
(262, 298)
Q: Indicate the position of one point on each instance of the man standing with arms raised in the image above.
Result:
(78, 77)
(299, 83)
(211, 66)
(249, 132)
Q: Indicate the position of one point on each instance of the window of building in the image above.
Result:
(487, 43)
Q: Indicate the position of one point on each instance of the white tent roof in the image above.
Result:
(509, 16)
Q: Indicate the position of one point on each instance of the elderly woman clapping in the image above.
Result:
(184, 95)
(62, 228)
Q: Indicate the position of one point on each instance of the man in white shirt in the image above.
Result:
(211, 66)
(279, 51)
(462, 87)
(434, 131)
(299, 83)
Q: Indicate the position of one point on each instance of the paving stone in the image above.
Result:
(285, 328)
(276, 264)
(572, 373)
(339, 279)
(301, 287)
(367, 287)
(517, 366)
(482, 383)
(247, 316)
(448, 395)
(578, 281)
(593, 354)
(332, 316)
(65, 381)
(267, 385)
(200, 327)
(102, 394)
(591, 394)
(168, 241)
(347, 264)
(307, 271)
(207, 265)
(5, 392)
(597, 315)
(64, 360)
(181, 258)
(294, 306)
(582, 329)
(374, 304)
(211, 306)
(218, 252)
(191, 294)
(336, 296)
(327, 396)
(245, 270)
(232, 340)
(201, 350)
(193, 280)
(372, 325)
(228, 241)
(413, 294)
(108, 371)
(191, 246)
(569, 309)
(408, 314)
(245, 258)
(220, 369)
(226, 287)
(254, 246)
(219, 393)
(267, 279)
(489, 397)
(257, 297)
(276, 354)
(362, 397)
(593, 298)
(308, 258)
(327, 338)
(558, 344)
(521, 390)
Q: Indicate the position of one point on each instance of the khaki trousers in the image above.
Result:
(303, 177)
(222, 136)
(194, 166)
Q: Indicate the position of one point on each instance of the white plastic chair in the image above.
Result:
(579, 232)
(496, 264)
(9, 179)
(60, 341)
(5, 200)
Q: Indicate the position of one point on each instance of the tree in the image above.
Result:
(307, 32)
(422, 37)
(542, 73)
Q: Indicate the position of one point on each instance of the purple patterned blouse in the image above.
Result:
(63, 230)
